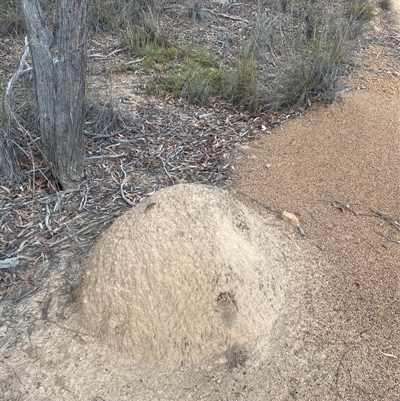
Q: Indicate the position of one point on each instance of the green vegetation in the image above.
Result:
(182, 70)
(292, 57)
(145, 36)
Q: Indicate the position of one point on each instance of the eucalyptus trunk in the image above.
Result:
(60, 86)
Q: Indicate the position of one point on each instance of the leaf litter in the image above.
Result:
(164, 144)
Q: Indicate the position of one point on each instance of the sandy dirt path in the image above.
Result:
(338, 169)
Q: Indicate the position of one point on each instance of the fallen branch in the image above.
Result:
(102, 56)
(389, 355)
(23, 69)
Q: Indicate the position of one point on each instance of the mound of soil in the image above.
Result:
(187, 274)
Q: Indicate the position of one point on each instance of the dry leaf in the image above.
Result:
(290, 218)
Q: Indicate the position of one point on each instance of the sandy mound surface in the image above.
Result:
(187, 274)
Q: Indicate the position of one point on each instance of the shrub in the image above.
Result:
(108, 15)
(11, 21)
(386, 4)
(195, 11)
(289, 64)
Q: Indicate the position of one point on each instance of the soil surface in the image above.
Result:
(337, 168)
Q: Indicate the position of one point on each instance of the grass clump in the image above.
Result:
(241, 87)
(310, 71)
(145, 36)
(182, 70)
(360, 10)
(185, 71)
(201, 84)
(103, 15)
(286, 62)
(12, 21)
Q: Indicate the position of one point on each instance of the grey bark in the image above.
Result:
(60, 87)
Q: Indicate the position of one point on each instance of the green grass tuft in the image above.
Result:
(184, 71)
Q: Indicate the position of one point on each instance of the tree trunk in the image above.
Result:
(60, 87)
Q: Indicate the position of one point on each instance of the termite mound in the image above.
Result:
(187, 274)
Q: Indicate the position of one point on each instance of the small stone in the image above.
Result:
(31, 352)
(267, 166)
(290, 218)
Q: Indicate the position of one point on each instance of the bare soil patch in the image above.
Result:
(337, 169)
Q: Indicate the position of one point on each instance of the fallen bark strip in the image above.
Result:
(8, 263)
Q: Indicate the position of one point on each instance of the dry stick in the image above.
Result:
(389, 355)
(388, 239)
(165, 169)
(65, 238)
(98, 136)
(205, 115)
(128, 201)
(47, 218)
(338, 371)
(22, 70)
(106, 157)
(4, 340)
(8, 111)
(382, 216)
(8, 263)
(84, 200)
(227, 16)
(135, 61)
